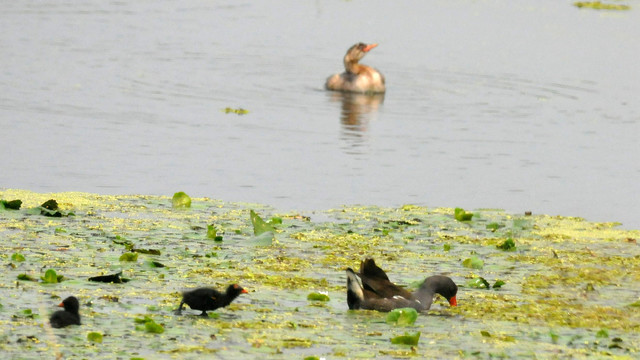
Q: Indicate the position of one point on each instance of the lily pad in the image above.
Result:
(507, 245)
(181, 200)
(407, 339)
(11, 205)
(317, 297)
(473, 263)
(259, 225)
(95, 337)
(478, 283)
(130, 256)
(498, 284)
(17, 257)
(402, 316)
(461, 215)
(50, 277)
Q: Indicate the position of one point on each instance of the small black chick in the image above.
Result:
(205, 299)
(68, 316)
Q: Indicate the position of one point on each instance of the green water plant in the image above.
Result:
(181, 200)
(461, 215)
(259, 226)
(17, 257)
(402, 316)
(51, 277)
(315, 296)
(94, 337)
(407, 339)
(473, 262)
(10, 205)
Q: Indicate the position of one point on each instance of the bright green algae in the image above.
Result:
(567, 281)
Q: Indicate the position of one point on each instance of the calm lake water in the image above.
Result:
(504, 104)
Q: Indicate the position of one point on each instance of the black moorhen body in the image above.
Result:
(68, 316)
(205, 299)
(378, 293)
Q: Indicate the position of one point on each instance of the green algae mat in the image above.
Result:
(530, 286)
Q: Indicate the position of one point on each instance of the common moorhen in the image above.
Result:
(378, 293)
(68, 316)
(206, 299)
(357, 77)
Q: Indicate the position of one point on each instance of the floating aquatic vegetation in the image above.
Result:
(473, 262)
(507, 245)
(94, 337)
(402, 317)
(461, 215)
(212, 233)
(601, 6)
(407, 339)
(130, 256)
(181, 200)
(17, 257)
(314, 296)
(568, 277)
(51, 277)
(11, 205)
(239, 111)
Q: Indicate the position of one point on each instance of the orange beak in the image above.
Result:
(61, 305)
(369, 47)
(244, 291)
(453, 301)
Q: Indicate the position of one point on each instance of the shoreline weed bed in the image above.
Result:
(562, 287)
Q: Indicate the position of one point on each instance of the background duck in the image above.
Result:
(357, 77)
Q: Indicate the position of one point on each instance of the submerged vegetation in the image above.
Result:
(530, 286)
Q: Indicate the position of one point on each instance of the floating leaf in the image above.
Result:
(498, 284)
(130, 256)
(212, 232)
(478, 283)
(597, 5)
(26, 277)
(95, 337)
(485, 333)
(50, 205)
(461, 215)
(50, 277)
(473, 263)
(635, 304)
(554, 336)
(494, 226)
(603, 333)
(153, 327)
(507, 245)
(407, 339)
(239, 111)
(317, 297)
(446, 247)
(259, 225)
(181, 200)
(402, 316)
(11, 205)
(17, 257)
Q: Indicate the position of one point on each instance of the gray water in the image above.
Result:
(503, 104)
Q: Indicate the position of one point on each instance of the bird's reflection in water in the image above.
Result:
(356, 112)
